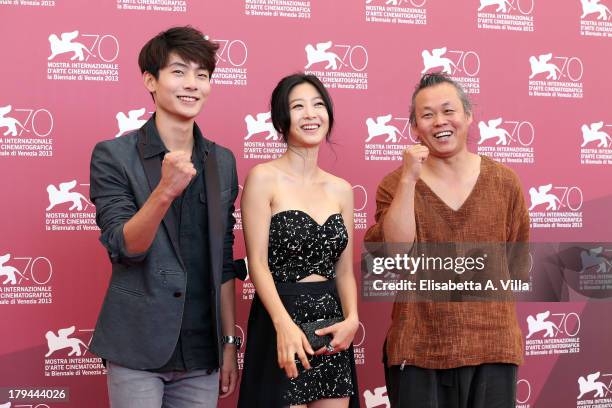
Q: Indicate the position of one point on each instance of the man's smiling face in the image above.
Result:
(441, 122)
(181, 88)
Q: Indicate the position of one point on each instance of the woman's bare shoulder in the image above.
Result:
(337, 183)
(262, 172)
(339, 187)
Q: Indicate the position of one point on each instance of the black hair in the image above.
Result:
(189, 43)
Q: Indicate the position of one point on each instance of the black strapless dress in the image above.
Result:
(298, 247)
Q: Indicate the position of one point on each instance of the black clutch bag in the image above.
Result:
(316, 342)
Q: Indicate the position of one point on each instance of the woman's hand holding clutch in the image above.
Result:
(342, 333)
(291, 340)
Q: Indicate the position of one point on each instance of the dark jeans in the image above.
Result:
(482, 386)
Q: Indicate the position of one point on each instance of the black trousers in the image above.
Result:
(482, 386)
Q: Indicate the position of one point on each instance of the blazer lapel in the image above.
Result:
(148, 151)
(215, 216)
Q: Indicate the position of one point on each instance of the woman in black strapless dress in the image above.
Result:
(298, 227)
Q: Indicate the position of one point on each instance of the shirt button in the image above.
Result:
(177, 294)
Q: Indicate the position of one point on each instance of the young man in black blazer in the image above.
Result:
(164, 198)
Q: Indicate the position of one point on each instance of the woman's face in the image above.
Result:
(309, 119)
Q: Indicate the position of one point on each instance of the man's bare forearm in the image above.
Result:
(399, 223)
(140, 230)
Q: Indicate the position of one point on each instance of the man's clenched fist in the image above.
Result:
(177, 172)
(413, 158)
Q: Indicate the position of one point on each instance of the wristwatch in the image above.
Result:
(232, 340)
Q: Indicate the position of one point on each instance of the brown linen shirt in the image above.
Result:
(446, 334)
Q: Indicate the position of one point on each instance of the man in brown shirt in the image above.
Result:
(450, 354)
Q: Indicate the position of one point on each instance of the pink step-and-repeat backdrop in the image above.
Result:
(538, 73)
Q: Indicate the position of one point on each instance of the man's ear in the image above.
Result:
(415, 132)
(150, 82)
(470, 117)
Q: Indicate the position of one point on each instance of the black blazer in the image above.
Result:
(140, 320)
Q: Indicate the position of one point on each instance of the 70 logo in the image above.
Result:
(233, 52)
(39, 121)
(105, 47)
(524, 131)
(38, 270)
(507, 131)
(570, 67)
(467, 62)
(566, 323)
(566, 199)
(570, 197)
(354, 56)
(451, 61)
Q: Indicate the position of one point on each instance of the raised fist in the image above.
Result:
(177, 171)
(413, 158)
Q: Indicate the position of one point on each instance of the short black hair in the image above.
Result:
(279, 102)
(433, 79)
(189, 43)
